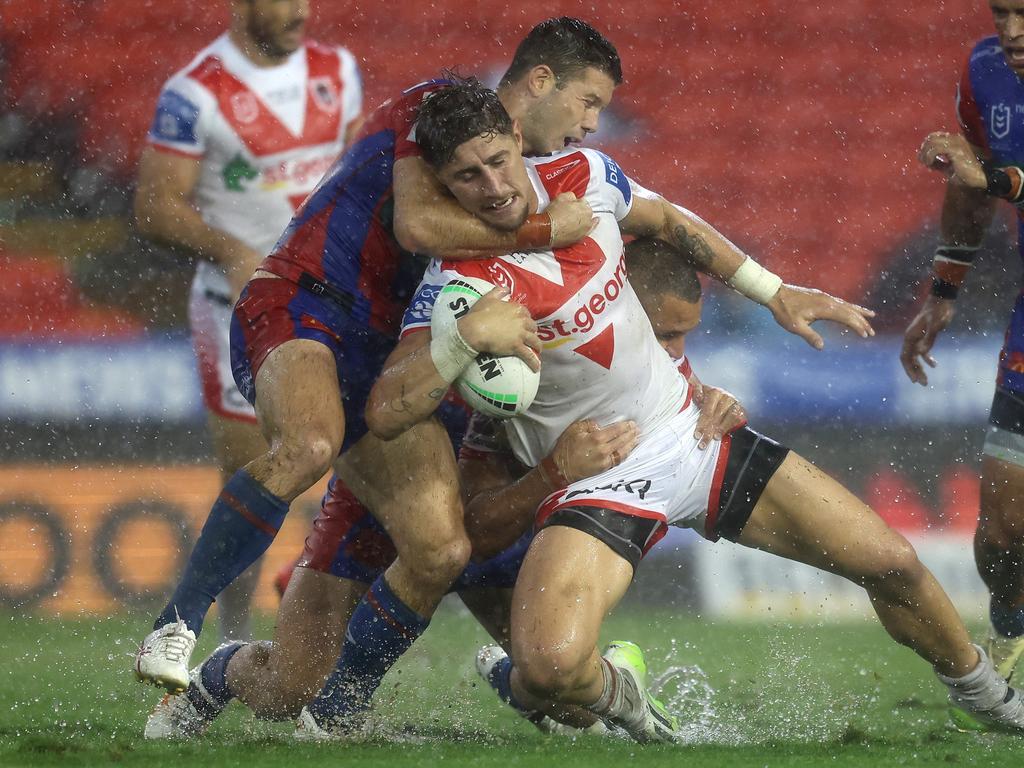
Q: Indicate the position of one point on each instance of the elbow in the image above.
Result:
(413, 234)
(381, 421)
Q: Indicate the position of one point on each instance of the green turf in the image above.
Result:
(803, 695)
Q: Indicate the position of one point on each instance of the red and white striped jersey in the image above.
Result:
(264, 135)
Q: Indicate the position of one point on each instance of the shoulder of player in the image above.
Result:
(340, 52)
(986, 50)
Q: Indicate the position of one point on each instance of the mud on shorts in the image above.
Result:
(666, 481)
(272, 311)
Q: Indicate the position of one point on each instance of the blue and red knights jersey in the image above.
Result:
(343, 233)
(990, 107)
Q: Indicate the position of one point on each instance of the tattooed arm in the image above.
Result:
(793, 307)
(698, 242)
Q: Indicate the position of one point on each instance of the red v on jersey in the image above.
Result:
(601, 348)
(256, 125)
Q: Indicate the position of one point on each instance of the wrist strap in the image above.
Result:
(535, 232)
(755, 282)
(1007, 183)
(549, 469)
(451, 354)
(949, 268)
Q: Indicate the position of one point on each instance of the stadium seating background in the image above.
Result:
(793, 126)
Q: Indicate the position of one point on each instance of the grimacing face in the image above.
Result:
(564, 115)
(1008, 16)
(672, 318)
(276, 26)
(488, 177)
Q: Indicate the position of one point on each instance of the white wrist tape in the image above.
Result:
(755, 282)
(450, 353)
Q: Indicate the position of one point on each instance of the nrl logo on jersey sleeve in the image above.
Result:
(1000, 120)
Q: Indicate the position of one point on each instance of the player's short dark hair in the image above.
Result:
(655, 267)
(567, 46)
(455, 114)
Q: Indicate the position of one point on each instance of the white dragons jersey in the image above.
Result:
(600, 359)
(264, 135)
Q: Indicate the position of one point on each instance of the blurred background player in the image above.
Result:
(983, 165)
(241, 135)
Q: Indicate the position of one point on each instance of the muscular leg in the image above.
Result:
(299, 408)
(276, 679)
(567, 585)
(411, 484)
(805, 515)
(492, 608)
(999, 540)
(235, 444)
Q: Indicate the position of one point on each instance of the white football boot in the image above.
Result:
(657, 724)
(163, 657)
(183, 715)
(488, 657)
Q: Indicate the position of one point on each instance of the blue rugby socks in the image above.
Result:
(381, 629)
(500, 678)
(213, 675)
(242, 524)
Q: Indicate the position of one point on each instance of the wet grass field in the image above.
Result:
(751, 694)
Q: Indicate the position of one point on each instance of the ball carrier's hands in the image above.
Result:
(501, 327)
(421, 367)
(500, 508)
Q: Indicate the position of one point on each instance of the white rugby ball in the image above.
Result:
(500, 387)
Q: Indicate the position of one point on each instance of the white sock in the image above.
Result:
(980, 689)
(620, 702)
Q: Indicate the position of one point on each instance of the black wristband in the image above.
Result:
(999, 183)
(943, 290)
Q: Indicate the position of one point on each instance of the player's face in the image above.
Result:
(277, 26)
(564, 114)
(488, 177)
(672, 318)
(1008, 16)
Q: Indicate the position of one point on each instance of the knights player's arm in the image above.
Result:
(967, 211)
(794, 308)
(164, 212)
(502, 496)
(429, 221)
(421, 367)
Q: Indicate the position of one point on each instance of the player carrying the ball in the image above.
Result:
(606, 366)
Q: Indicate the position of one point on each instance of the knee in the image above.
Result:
(553, 671)
(307, 456)
(897, 562)
(443, 559)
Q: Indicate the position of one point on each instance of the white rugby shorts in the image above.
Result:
(209, 312)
